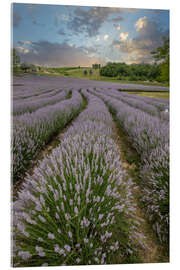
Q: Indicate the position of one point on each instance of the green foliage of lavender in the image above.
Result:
(149, 135)
(67, 211)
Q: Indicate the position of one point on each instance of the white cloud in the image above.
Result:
(26, 51)
(141, 23)
(22, 50)
(124, 36)
(27, 42)
(119, 27)
(23, 43)
(70, 44)
(137, 59)
(106, 37)
(138, 49)
(98, 38)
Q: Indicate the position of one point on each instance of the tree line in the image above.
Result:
(159, 71)
(133, 72)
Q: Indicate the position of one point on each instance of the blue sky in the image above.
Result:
(56, 35)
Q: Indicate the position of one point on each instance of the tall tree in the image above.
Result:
(16, 58)
(162, 54)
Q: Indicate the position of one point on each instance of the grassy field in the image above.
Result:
(79, 73)
(152, 94)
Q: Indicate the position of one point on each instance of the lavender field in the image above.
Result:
(83, 202)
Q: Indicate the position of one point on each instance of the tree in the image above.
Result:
(90, 72)
(85, 72)
(96, 66)
(25, 67)
(32, 68)
(15, 60)
(165, 71)
(162, 54)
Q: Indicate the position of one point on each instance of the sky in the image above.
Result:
(57, 35)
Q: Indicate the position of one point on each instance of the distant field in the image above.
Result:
(79, 73)
(152, 94)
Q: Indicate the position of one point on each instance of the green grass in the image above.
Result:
(79, 73)
(164, 95)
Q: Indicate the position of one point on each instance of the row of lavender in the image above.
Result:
(31, 131)
(150, 137)
(159, 102)
(69, 208)
(153, 107)
(31, 93)
(32, 104)
(36, 96)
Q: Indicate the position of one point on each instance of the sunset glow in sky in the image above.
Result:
(56, 35)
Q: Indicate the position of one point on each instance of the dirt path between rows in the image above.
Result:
(153, 252)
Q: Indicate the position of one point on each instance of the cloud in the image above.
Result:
(138, 49)
(90, 20)
(27, 42)
(124, 36)
(90, 50)
(58, 54)
(61, 32)
(141, 23)
(117, 26)
(34, 21)
(136, 59)
(59, 19)
(16, 19)
(33, 11)
(22, 50)
(97, 39)
(117, 19)
(106, 37)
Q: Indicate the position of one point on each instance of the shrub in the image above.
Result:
(85, 72)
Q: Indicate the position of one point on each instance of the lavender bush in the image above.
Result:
(157, 108)
(20, 107)
(155, 176)
(150, 137)
(145, 131)
(31, 95)
(31, 131)
(67, 210)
